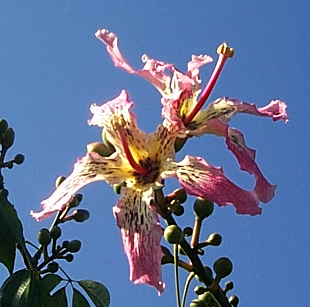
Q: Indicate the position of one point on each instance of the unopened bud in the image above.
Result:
(52, 267)
(173, 234)
(234, 300)
(59, 181)
(44, 237)
(188, 231)
(4, 192)
(214, 239)
(3, 125)
(80, 215)
(74, 246)
(198, 303)
(228, 286)
(200, 290)
(100, 148)
(55, 232)
(222, 267)
(177, 209)
(179, 143)
(8, 138)
(203, 208)
(69, 257)
(19, 159)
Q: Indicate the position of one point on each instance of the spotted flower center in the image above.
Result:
(153, 167)
(224, 52)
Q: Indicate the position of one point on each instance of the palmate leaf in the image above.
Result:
(97, 292)
(11, 232)
(59, 298)
(78, 299)
(22, 289)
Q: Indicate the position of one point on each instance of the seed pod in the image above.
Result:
(44, 237)
(173, 234)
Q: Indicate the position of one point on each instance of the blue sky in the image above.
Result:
(52, 68)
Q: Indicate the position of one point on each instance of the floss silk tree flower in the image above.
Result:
(141, 161)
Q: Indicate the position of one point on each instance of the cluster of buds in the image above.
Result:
(210, 293)
(7, 137)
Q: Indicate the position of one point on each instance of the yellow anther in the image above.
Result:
(225, 50)
(117, 122)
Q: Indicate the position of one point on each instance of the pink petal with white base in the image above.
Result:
(141, 234)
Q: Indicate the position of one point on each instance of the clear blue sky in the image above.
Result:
(52, 68)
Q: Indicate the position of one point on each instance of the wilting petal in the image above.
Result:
(194, 65)
(141, 235)
(246, 158)
(153, 70)
(202, 179)
(88, 169)
(275, 109)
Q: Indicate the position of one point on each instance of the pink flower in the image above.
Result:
(182, 107)
(142, 161)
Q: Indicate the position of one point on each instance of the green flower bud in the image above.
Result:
(69, 257)
(8, 138)
(203, 208)
(117, 187)
(177, 209)
(74, 202)
(55, 232)
(173, 234)
(52, 267)
(74, 246)
(65, 244)
(179, 143)
(79, 197)
(198, 303)
(200, 290)
(44, 237)
(3, 125)
(234, 300)
(19, 159)
(100, 148)
(222, 267)
(80, 215)
(207, 298)
(59, 181)
(228, 286)
(4, 192)
(214, 239)
(188, 231)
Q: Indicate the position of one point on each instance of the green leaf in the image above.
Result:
(13, 288)
(11, 230)
(78, 299)
(50, 281)
(97, 292)
(60, 298)
(33, 294)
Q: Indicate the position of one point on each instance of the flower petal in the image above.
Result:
(141, 235)
(246, 158)
(153, 70)
(202, 179)
(275, 109)
(88, 169)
